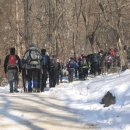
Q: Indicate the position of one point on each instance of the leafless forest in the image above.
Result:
(64, 27)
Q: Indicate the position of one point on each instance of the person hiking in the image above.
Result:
(45, 65)
(61, 66)
(71, 65)
(53, 71)
(12, 68)
(85, 67)
(95, 63)
(31, 69)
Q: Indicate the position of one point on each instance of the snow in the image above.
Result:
(84, 98)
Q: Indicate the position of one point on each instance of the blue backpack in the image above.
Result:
(44, 60)
(71, 64)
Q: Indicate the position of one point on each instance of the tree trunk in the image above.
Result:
(122, 55)
(17, 30)
(26, 22)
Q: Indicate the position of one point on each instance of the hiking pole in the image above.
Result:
(41, 73)
(26, 83)
(32, 85)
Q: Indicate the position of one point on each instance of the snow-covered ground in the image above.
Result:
(84, 98)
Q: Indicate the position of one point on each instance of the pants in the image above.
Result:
(32, 79)
(52, 78)
(57, 77)
(80, 73)
(13, 79)
(60, 76)
(95, 67)
(85, 72)
(70, 75)
(44, 76)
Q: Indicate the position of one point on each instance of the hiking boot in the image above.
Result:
(16, 91)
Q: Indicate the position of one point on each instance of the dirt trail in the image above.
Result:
(37, 112)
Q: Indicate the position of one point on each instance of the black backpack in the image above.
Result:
(94, 57)
(53, 64)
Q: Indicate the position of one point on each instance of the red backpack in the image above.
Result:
(113, 52)
(12, 61)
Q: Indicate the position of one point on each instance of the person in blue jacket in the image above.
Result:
(71, 66)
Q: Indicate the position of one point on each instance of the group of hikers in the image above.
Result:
(36, 67)
(94, 64)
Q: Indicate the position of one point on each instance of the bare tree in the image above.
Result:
(113, 14)
(91, 19)
(26, 22)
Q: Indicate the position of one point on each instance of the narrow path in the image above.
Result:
(37, 112)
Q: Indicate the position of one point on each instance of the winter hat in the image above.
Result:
(12, 51)
(43, 50)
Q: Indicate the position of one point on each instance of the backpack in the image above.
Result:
(12, 62)
(32, 58)
(71, 64)
(94, 58)
(44, 60)
(83, 61)
(33, 55)
(53, 64)
(113, 52)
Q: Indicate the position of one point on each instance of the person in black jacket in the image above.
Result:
(12, 68)
(53, 71)
(58, 71)
(45, 65)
